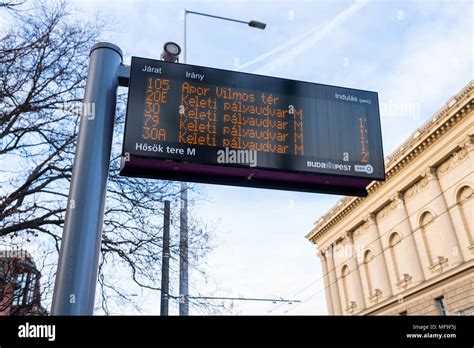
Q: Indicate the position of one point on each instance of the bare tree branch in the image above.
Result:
(43, 68)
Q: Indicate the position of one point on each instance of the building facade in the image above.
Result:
(19, 285)
(408, 247)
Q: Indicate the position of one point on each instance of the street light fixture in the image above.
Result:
(257, 24)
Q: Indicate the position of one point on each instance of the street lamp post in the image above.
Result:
(183, 230)
(252, 23)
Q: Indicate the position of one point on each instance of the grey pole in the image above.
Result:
(165, 263)
(183, 228)
(252, 23)
(184, 41)
(183, 235)
(183, 252)
(76, 277)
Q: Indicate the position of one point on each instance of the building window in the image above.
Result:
(466, 205)
(441, 304)
(393, 242)
(31, 288)
(344, 275)
(20, 287)
(425, 221)
(368, 256)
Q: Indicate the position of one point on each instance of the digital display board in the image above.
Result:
(200, 124)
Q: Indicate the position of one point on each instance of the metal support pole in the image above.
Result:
(165, 263)
(217, 17)
(183, 228)
(184, 43)
(183, 240)
(183, 252)
(76, 277)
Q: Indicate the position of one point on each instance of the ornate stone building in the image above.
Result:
(20, 291)
(408, 247)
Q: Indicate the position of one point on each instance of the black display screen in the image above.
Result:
(200, 115)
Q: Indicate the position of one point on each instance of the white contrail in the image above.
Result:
(303, 42)
(277, 49)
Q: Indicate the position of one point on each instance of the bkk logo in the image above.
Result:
(364, 168)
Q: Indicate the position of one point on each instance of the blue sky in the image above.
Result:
(414, 54)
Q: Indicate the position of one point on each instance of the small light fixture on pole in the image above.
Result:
(171, 52)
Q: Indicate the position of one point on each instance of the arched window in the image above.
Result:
(426, 218)
(466, 208)
(344, 275)
(394, 244)
(368, 256)
(426, 222)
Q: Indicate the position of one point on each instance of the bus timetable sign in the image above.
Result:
(199, 124)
